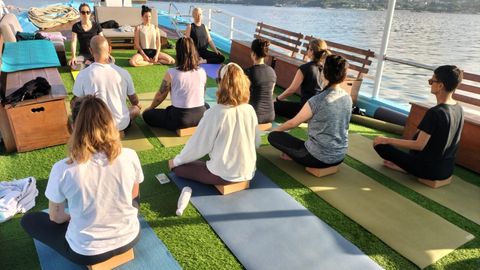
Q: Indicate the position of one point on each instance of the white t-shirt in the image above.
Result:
(229, 135)
(188, 87)
(99, 198)
(112, 84)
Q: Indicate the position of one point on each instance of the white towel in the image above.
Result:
(126, 28)
(17, 196)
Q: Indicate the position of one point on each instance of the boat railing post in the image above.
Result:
(209, 18)
(231, 27)
(383, 48)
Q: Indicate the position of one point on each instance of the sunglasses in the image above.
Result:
(431, 81)
(85, 12)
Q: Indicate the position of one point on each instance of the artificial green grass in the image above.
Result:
(189, 237)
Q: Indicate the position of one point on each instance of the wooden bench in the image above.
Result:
(469, 98)
(34, 123)
(125, 16)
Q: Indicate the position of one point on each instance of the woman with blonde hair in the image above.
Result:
(147, 43)
(228, 133)
(100, 180)
(201, 37)
(308, 78)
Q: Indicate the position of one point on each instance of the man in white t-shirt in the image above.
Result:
(109, 82)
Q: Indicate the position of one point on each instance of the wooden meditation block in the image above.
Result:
(264, 127)
(227, 189)
(436, 183)
(113, 262)
(186, 131)
(322, 172)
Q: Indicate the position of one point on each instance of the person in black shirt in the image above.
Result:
(201, 37)
(262, 82)
(434, 147)
(84, 31)
(308, 78)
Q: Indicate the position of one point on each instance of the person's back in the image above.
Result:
(188, 87)
(112, 84)
(328, 127)
(262, 79)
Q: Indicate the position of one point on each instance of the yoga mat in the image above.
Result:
(149, 253)
(134, 137)
(35, 54)
(377, 124)
(211, 69)
(460, 196)
(170, 138)
(416, 233)
(265, 228)
(74, 74)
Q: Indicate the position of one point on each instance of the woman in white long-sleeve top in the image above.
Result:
(228, 133)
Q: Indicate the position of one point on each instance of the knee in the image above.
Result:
(172, 61)
(132, 62)
(273, 136)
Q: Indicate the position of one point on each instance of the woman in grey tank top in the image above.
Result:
(328, 114)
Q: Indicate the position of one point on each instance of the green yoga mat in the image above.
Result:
(460, 196)
(416, 233)
(377, 124)
(134, 137)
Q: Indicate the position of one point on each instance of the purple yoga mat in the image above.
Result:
(211, 69)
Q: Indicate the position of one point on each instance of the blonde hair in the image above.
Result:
(234, 86)
(195, 10)
(319, 49)
(94, 131)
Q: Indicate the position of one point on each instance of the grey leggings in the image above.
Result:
(39, 226)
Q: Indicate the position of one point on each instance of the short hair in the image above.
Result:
(450, 76)
(260, 47)
(145, 9)
(319, 49)
(84, 5)
(99, 44)
(195, 10)
(186, 54)
(234, 86)
(94, 131)
(335, 69)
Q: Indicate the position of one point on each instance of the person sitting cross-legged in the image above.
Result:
(433, 149)
(109, 82)
(328, 114)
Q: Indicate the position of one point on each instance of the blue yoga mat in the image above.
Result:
(149, 253)
(211, 69)
(265, 228)
(29, 54)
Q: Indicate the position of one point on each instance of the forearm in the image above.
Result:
(288, 92)
(133, 99)
(286, 126)
(406, 144)
(212, 45)
(159, 98)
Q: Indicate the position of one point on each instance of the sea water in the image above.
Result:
(432, 39)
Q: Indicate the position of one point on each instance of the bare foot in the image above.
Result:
(393, 166)
(157, 63)
(285, 156)
(202, 61)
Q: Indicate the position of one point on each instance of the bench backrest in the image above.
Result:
(357, 58)
(473, 91)
(9, 27)
(123, 15)
(284, 39)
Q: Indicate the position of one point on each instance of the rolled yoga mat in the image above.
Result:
(168, 137)
(134, 137)
(390, 116)
(416, 233)
(149, 253)
(460, 196)
(265, 228)
(377, 124)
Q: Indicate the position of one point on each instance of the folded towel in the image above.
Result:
(17, 196)
(126, 28)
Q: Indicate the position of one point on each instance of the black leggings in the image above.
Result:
(287, 109)
(295, 148)
(39, 226)
(416, 165)
(173, 118)
(211, 57)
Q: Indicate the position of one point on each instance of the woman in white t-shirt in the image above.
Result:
(100, 181)
(228, 133)
(186, 84)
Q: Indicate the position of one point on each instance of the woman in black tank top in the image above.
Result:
(201, 37)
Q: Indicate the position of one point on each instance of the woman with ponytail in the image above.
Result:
(147, 42)
(328, 115)
(228, 133)
(308, 78)
(187, 83)
(262, 82)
